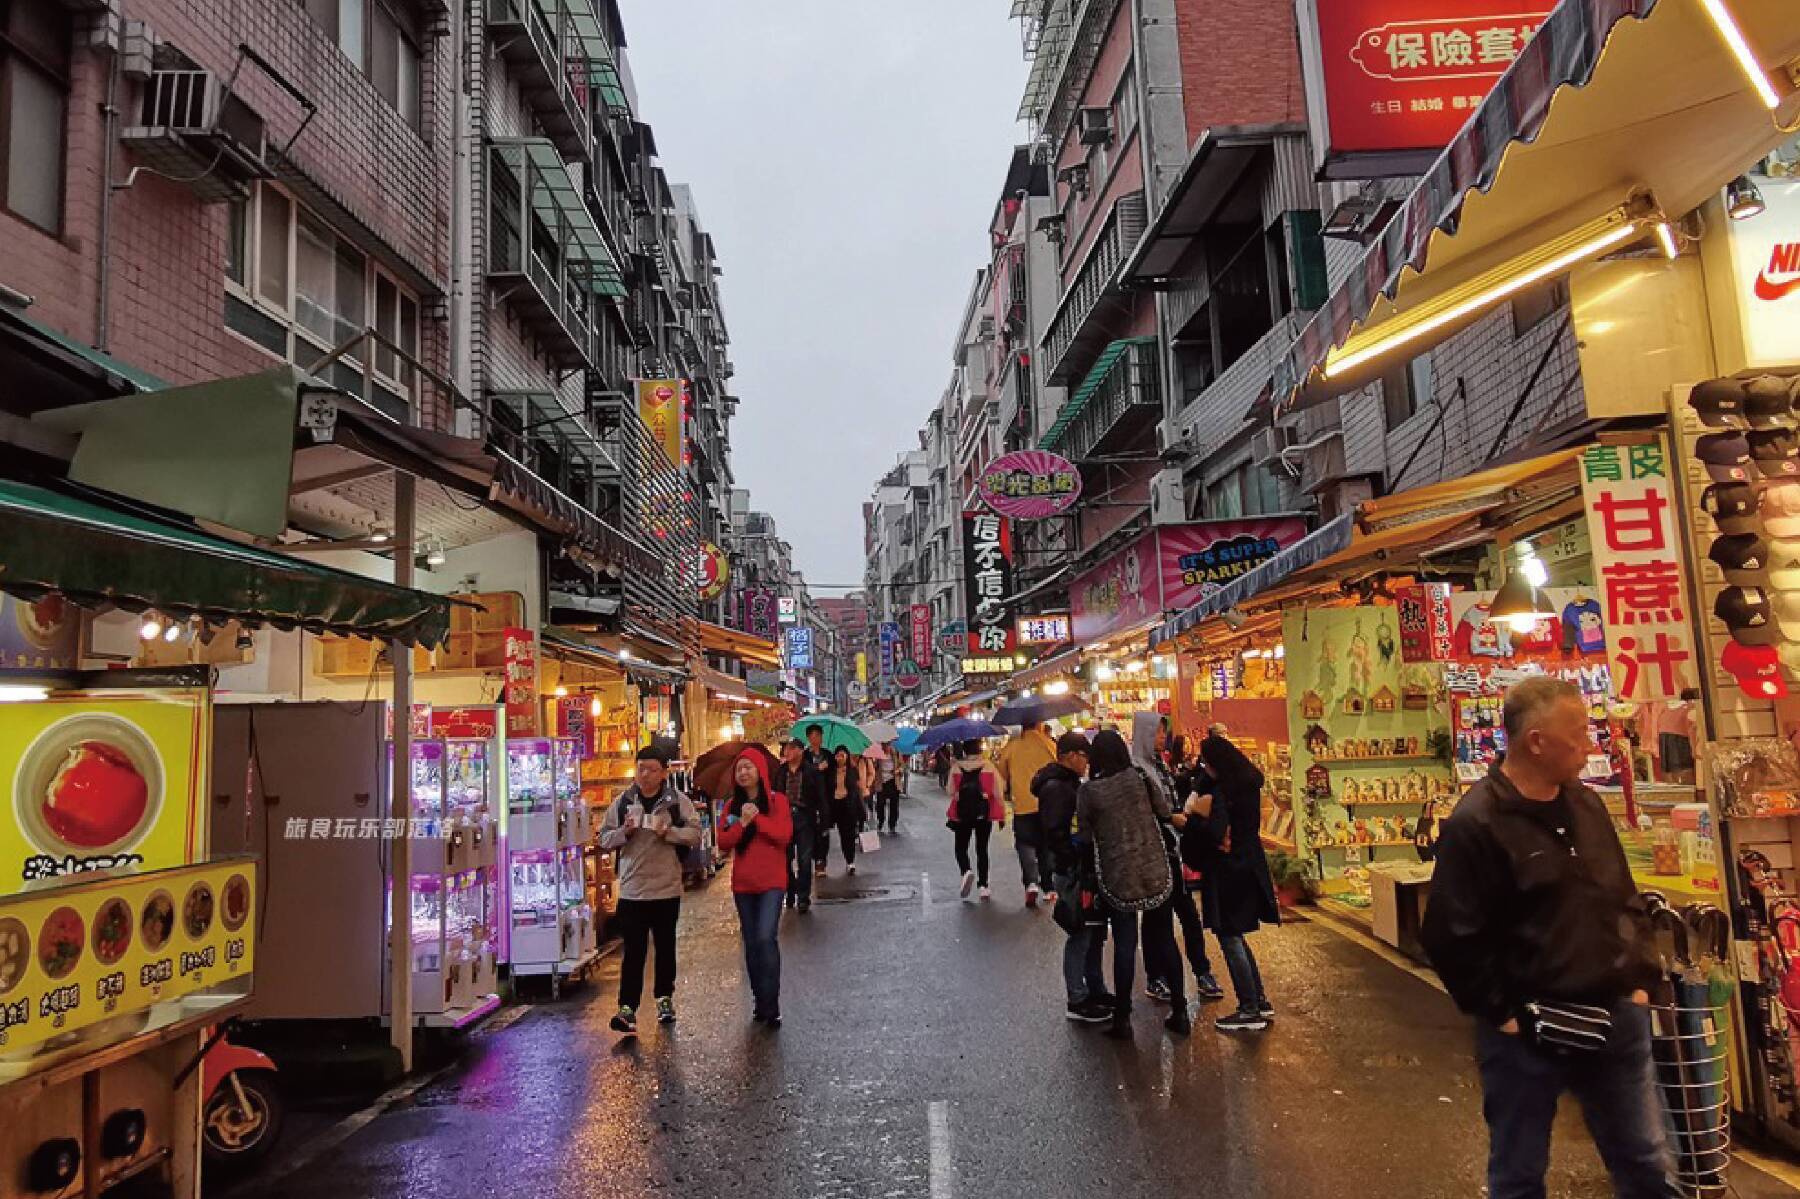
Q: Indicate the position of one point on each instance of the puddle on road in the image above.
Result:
(866, 895)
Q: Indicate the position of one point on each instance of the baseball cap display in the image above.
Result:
(1732, 505)
(1780, 509)
(1757, 668)
(1784, 563)
(1719, 403)
(1725, 455)
(1747, 612)
(1787, 613)
(1768, 403)
(1776, 453)
(1744, 557)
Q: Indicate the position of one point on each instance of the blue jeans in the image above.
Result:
(1083, 956)
(1246, 979)
(1520, 1084)
(759, 916)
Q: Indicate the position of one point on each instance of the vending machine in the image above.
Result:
(551, 927)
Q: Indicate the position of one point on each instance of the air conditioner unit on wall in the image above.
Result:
(194, 130)
(1267, 445)
(1168, 497)
(1096, 126)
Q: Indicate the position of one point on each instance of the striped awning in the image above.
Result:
(1083, 395)
(1612, 103)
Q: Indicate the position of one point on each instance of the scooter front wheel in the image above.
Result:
(243, 1119)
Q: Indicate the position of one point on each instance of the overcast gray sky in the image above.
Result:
(846, 156)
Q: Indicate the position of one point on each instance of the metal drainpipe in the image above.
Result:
(102, 316)
(459, 195)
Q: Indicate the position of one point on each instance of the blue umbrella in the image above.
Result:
(908, 741)
(1038, 709)
(953, 731)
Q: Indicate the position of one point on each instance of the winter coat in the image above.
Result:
(759, 851)
(815, 790)
(1533, 901)
(1019, 762)
(1124, 817)
(990, 786)
(1056, 787)
(650, 864)
(1236, 891)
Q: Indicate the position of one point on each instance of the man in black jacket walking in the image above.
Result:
(1537, 930)
(1060, 869)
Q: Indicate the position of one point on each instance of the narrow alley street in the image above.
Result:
(925, 1053)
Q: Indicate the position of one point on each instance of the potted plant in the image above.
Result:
(1294, 878)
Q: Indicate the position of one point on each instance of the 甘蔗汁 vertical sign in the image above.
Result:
(1638, 564)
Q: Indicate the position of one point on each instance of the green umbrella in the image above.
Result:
(839, 733)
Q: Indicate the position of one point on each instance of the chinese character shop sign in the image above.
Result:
(799, 647)
(1637, 558)
(660, 408)
(521, 692)
(1424, 611)
(715, 571)
(988, 581)
(921, 636)
(1029, 485)
(1402, 76)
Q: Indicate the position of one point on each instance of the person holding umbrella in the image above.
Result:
(815, 771)
(755, 830)
(1538, 931)
(1018, 764)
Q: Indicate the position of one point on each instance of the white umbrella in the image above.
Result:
(879, 730)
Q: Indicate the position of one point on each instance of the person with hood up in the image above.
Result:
(756, 829)
(1018, 763)
(1064, 879)
(1238, 890)
(1123, 810)
(1149, 744)
(975, 808)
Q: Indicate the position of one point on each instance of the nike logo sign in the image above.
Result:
(1768, 289)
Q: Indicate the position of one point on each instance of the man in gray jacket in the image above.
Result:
(650, 824)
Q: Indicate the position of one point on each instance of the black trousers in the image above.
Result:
(1162, 955)
(887, 806)
(980, 830)
(640, 920)
(1193, 935)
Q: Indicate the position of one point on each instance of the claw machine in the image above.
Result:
(549, 834)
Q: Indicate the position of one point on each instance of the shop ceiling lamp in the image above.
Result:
(152, 628)
(1520, 604)
(1743, 199)
(1059, 687)
(1548, 260)
(1728, 29)
(172, 634)
(18, 693)
(1665, 239)
(595, 707)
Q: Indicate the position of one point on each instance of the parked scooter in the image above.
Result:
(243, 1114)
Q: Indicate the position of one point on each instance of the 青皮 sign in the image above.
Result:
(1043, 630)
(1637, 559)
(1029, 485)
(1390, 82)
(988, 581)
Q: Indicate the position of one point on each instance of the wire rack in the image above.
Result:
(1690, 1045)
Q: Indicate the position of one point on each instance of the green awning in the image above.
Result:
(594, 46)
(94, 552)
(129, 377)
(1079, 399)
(557, 202)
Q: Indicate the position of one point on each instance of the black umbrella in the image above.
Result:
(1039, 708)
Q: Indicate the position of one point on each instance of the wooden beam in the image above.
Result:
(337, 478)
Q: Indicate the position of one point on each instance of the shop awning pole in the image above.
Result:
(400, 881)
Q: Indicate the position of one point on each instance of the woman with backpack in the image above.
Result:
(1123, 811)
(1238, 893)
(846, 803)
(755, 829)
(975, 808)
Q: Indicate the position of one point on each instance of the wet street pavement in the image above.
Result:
(925, 1054)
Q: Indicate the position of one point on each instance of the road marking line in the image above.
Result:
(925, 891)
(943, 1173)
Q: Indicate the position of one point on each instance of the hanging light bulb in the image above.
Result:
(562, 692)
(595, 707)
(152, 627)
(172, 634)
(1519, 604)
(1059, 687)
(435, 555)
(1742, 199)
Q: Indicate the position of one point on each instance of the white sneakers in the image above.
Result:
(968, 883)
(986, 894)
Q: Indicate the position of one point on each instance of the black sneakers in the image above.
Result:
(1241, 1022)
(1090, 1011)
(625, 1021)
(665, 1010)
(1159, 991)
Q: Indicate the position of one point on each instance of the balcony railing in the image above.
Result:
(537, 39)
(1097, 277)
(1119, 399)
(544, 249)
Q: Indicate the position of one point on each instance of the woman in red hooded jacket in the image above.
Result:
(755, 830)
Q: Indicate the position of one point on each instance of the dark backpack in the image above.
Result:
(971, 800)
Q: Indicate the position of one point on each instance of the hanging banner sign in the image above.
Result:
(1390, 82)
(659, 405)
(862, 667)
(1043, 630)
(715, 571)
(1029, 485)
(1424, 611)
(575, 720)
(953, 638)
(889, 633)
(984, 664)
(788, 609)
(520, 685)
(1170, 569)
(757, 606)
(463, 724)
(907, 675)
(1637, 558)
(921, 636)
(988, 575)
(799, 648)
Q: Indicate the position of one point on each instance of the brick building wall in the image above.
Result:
(1240, 64)
(166, 250)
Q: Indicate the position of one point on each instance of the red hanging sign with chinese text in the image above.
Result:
(521, 684)
(1424, 611)
(1637, 560)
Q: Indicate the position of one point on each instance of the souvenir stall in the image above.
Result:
(1239, 689)
(125, 934)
